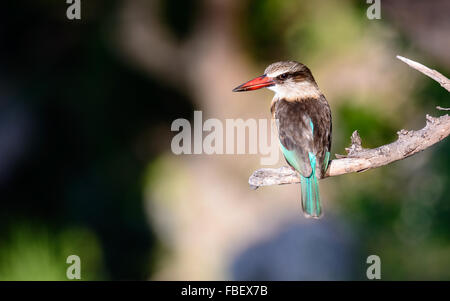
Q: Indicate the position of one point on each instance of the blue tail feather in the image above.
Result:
(310, 196)
(310, 192)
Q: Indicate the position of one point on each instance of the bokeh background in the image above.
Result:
(85, 160)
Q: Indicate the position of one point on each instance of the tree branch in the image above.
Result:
(441, 79)
(359, 159)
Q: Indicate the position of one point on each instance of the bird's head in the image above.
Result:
(288, 79)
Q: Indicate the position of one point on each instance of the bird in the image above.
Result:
(303, 118)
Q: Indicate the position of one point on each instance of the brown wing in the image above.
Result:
(304, 127)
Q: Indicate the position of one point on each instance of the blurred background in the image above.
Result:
(86, 166)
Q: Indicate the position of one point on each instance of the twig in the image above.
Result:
(441, 79)
(360, 159)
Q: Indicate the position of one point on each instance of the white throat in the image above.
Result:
(295, 90)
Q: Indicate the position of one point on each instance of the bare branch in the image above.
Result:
(359, 159)
(441, 79)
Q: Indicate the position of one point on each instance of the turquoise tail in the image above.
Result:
(310, 192)
(310, 196)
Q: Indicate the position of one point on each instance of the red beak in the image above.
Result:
(254, 84)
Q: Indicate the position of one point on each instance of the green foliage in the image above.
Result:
(262, 27)
(431, 94)
(34, 253)
(373, 127)
(295, 29)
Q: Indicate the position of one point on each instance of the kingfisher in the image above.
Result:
(303, 118)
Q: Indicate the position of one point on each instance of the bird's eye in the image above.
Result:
(283, 76)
